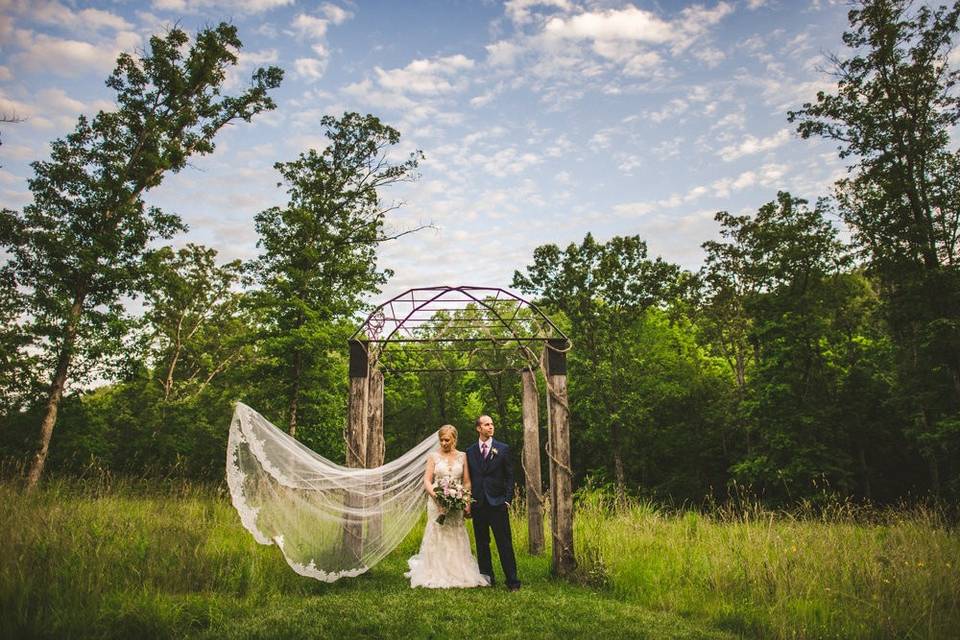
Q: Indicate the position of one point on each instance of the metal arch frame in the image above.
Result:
(436, 299)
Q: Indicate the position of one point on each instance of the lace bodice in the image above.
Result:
(443, 468)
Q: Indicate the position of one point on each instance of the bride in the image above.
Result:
(445, 559)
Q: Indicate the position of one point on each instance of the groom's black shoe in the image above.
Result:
(514, 587)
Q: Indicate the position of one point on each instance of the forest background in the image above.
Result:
(816, 352)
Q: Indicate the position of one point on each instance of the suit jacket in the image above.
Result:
(491, 478)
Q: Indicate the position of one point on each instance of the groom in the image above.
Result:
(491, 474)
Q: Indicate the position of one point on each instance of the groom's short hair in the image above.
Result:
(479, 418)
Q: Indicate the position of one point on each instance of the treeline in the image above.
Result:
(804, 358)
(268, 332)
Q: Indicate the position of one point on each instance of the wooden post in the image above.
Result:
(357, 419)
(561, 474)
(531, 462)
(375, 448)
(375, 444)
(356, 438)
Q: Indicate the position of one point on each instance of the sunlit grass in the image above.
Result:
(114, 558)
(839, 571)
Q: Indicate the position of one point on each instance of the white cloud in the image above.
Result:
(85, 20)
(751, 144)
(249, 59)
(519, 10)
(672, 109)
(601, 139)
(310, 26)
(483, 99)
(669, 148)
(235, 6)
(630, 24)
(428, 77)
(38, 51)
(629, 162)
(734, 120)
(368, 94)
(632, 209)
(335, 14)
(576, 50)
(503, 53)
(709, 56)
(561, 146)
(508, 161)
(768, 175)
(310, 69)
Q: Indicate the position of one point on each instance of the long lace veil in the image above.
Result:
(329, 521)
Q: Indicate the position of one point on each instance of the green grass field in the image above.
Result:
(120, 560)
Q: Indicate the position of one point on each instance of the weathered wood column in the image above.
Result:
(375, 447)
(375, 443)
(356, 438)
(358, 403)
(530, 411)
(561, 474)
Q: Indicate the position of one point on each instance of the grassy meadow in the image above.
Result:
(117, 558)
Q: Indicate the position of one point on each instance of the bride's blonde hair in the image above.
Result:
(448, 428)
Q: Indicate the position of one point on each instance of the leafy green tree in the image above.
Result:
(79, 246)
(811, 327)
(319, 251)
(19, 383)
(892, 114)
(194, 320)
(601, 289)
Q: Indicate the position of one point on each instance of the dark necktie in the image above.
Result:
(483, 450)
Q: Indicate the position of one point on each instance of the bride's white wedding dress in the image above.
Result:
(445, 559)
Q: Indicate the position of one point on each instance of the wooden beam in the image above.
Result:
(375, 449)
(561, 474)
(356, 438)
(531, 462)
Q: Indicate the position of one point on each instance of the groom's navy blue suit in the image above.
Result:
(492, 480)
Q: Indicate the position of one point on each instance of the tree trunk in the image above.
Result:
(55, 394)
(864, 472)
(295, 394)
(177, 347)
(618, 473)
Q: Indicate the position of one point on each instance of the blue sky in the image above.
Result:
(540, 121)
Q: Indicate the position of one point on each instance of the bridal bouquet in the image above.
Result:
(451, 496)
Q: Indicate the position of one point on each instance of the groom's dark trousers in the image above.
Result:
(487, 518)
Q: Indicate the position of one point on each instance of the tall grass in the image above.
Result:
(835, 571)
(115, 558)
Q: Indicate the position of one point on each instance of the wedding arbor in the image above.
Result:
(448, 329)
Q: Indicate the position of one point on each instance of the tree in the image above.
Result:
(893, 113)
(601, 288)
(19, 384)
(319, 251)
(815, 402)
(190, 312)
(78, 247)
